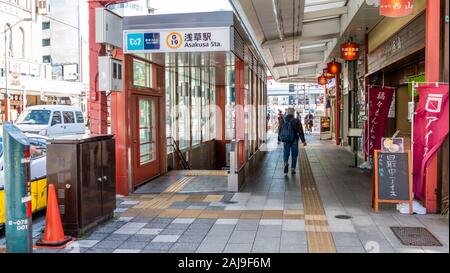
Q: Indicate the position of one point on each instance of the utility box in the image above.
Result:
(83, 171)
(110, 74)
(108, 28)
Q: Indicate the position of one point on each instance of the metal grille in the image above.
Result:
(238, 45)
(415, 236)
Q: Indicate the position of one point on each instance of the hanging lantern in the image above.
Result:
(396, 8)
(334, 68)
(322, 80)
(327, 75)
(350, 51)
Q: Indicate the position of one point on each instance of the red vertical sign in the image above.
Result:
(379, 103)
(396, 8)
(430, 129)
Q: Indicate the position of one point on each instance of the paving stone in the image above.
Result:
(117, 237)
(346, 239)
(96, 236)
(350, 249)
(183, 221)
(86, 243)
(293, 225)
(242, 237)
(125, 219)
(238, 248)
(226, 221)
(245, 224)
(142, 220)
(166, 238)
(191, 238)
(100, 250)
(171, 231)
(133, 245)
(159, 246)
(269, 245)
(150, 231)
(156, 225)
(270, 222)
(179, 247)
(141, 238)
(108, 244)
(293, 248)
(120, 250)
(177, 226)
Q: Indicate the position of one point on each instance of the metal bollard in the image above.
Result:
(18, 226)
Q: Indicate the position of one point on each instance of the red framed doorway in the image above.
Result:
(146, 146)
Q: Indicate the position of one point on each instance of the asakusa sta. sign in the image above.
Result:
(177, 40)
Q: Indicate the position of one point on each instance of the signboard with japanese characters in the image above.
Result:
(380, 100)
(431, 125)
(392, 178)
(177, 40)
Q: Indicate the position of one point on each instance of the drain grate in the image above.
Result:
(343, 217)
(415, 236)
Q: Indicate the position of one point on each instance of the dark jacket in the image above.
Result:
(296, 125)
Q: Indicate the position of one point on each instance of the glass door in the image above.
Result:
(145, 139)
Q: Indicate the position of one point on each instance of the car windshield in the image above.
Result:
(37, 117)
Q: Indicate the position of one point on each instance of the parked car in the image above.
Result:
(38, 173)
(52, 120)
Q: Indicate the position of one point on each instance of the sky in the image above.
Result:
(185, 6)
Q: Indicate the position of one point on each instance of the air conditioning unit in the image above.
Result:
(42, 7)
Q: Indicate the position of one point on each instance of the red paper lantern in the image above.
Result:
(334, 68)
(327, 75)
(396, 8)
(350, 51)
(322, 80)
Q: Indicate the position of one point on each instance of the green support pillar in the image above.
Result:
(16, 152)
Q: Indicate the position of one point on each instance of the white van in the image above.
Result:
(51, 120)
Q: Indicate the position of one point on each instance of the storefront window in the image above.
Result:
(142, 74)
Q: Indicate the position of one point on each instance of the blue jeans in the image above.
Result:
(288, 149)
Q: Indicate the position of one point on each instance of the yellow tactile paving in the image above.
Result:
(251, 214)
(272, 214)
(318, 234)
(179, 185)
(191, 213)
(170, 213)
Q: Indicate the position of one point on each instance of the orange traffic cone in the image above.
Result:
(54, 233)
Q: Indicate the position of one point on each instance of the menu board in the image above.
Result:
(393, 179)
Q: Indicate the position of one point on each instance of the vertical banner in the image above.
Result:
(380, 99)
(396, 8)
(430, 129)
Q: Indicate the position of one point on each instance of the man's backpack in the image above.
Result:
(287, 132)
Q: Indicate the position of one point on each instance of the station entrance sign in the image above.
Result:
(177, 40)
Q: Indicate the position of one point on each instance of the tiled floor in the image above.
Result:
(267, 215)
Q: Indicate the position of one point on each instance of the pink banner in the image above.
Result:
(380, 99)
(430, 129)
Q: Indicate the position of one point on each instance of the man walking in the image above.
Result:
(290, 131)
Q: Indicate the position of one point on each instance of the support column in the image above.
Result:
(432, 68)
(337, 121)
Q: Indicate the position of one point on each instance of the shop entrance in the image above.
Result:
(146, 146)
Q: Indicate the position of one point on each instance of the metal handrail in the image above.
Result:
(179, 154)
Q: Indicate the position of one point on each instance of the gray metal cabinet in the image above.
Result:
(82, 168)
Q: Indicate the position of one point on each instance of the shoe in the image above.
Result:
(286, 168)
(292, 171)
